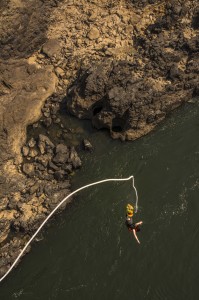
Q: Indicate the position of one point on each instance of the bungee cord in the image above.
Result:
(136, 195)
(55, 209)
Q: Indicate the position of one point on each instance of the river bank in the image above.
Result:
(66, 264)
(102, 57)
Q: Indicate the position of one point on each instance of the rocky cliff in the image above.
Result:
(124, 64)
(130, 96)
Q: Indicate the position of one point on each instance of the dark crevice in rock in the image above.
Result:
(117, 128)
(97, 108)
(195, 21)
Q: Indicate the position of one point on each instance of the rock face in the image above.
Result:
(131, 98)
(45, 185)
(128, 63)
(24, 88)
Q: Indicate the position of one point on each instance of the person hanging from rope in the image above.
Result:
(132, 227)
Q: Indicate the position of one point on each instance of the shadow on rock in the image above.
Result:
(24, 26)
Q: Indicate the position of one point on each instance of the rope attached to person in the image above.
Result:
(56, 208)
(136, 195)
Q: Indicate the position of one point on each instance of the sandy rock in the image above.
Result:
(94, 33)
(19, 107)
(31, 212)
(3, 203)
(59, 72)
(33, 153)
(6, 217)
(25, 150)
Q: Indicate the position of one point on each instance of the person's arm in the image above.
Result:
(135, 235)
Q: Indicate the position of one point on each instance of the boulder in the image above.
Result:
(61, 154)
(87, 145)
(25, 150)
(28, 169)
(44, 144)
(51, 48)
(74, 158)
(94, 33)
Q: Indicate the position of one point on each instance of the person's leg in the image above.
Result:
(139, 223)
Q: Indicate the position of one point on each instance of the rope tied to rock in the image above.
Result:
(56, 208)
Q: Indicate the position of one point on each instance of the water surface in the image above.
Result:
(87, 252)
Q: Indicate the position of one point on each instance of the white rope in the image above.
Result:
(136, 194)
(54, 210)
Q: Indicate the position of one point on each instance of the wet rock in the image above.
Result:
(67, 168)
(64, 185)
(74, 158)
(57, 197)
(87, 145)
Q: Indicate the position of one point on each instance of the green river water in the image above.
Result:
(88, 253)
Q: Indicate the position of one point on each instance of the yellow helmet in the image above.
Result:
(129, 210)
(129, 207)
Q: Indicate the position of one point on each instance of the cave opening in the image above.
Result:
(97, 109)
(118, 124)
